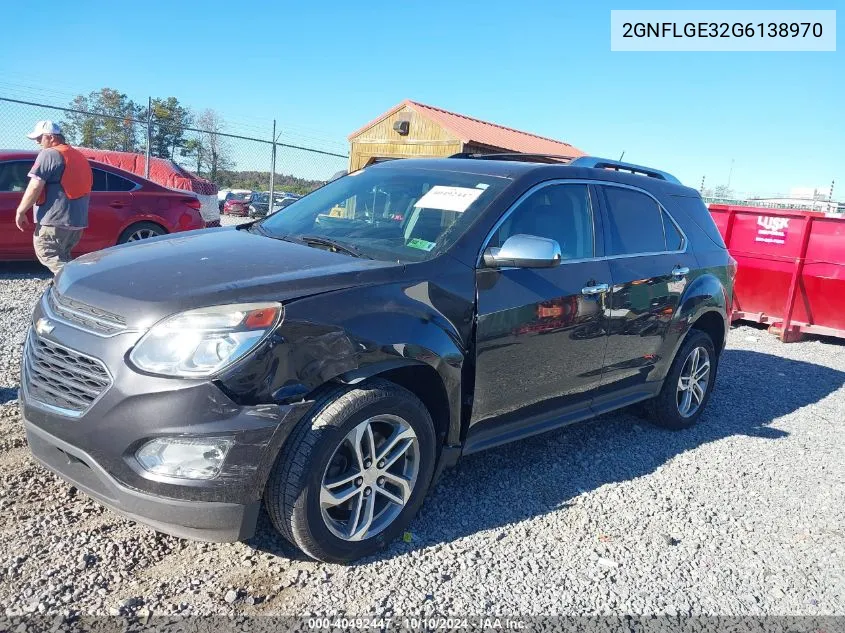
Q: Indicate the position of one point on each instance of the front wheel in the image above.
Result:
(354, 473)
(688, 384)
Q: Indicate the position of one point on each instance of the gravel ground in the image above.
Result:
(743, 515)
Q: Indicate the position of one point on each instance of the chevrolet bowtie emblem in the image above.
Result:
(43, 326)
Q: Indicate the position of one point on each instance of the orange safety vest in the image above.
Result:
(77, 178)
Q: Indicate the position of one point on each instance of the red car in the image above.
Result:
(123, 208)
(237, 204)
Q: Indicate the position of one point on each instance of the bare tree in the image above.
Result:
(213, 148)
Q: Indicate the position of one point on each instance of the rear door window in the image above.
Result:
(100, 180)
(635, 223)
(119, 183)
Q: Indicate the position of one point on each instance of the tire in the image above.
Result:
(667, 408)
(143, 229)
(319, 451)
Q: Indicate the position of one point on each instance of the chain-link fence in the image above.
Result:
(203, 146)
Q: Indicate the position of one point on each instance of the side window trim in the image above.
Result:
(110, 175)
(105, 177)
(677, 226)
(661, 209)
(599, 211)
(594, 213)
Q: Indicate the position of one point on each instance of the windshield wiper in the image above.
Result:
(262, 231)
(317, 240)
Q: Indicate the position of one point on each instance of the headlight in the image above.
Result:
(199, 343)
(184, 457)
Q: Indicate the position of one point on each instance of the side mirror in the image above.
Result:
(524, 251)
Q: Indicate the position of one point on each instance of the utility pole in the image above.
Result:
(149, 135)
(830, 195)
(701, 191)
(730, 173)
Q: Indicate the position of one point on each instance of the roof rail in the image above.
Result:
(592, 162)
(605, 163)
(515, 156)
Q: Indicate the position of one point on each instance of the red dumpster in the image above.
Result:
(791, 268)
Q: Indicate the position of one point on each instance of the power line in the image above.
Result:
(293, 132)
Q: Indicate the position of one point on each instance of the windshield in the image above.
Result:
(390, 214)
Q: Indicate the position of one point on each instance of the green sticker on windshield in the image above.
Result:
(423, 245)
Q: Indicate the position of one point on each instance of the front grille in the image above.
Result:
(85, 316)
(60, 377)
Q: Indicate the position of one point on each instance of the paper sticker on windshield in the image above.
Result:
(423, 245)
(449, 198)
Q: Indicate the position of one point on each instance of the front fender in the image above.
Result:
(351, 335)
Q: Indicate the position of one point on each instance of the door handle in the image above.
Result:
(598, 289)
(680, 271)
(117, 204)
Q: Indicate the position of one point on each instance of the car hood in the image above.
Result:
(146, 281)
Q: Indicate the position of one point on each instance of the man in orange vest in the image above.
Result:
(60, 184)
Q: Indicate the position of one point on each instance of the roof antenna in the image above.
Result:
(623, 154)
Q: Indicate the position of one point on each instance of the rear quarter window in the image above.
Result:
(693, 207)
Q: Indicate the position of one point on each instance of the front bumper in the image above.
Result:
(199, 520)
(95, 450)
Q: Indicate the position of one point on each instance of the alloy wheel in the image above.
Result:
(693, 381)
(141, 234)
(370, 477)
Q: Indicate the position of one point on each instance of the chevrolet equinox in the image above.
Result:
(330, 360)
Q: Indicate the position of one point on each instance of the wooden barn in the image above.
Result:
(416, 130)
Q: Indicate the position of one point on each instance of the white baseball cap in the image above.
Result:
(44, 127)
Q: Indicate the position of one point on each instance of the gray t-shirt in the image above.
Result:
(57, 209)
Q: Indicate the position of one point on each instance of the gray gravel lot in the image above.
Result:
(744, 514)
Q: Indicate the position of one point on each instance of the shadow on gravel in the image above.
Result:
(764, 332)
(524, 479)
(23, 270)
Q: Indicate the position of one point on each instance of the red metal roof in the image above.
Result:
(470, 130)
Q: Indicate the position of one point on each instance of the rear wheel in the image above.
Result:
(688, 384)
(354, 473)
(141, 231)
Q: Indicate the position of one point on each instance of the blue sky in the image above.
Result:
(322, 69)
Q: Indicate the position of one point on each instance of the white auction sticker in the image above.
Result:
(449, 198)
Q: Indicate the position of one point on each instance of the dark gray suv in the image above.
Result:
(330, 360)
